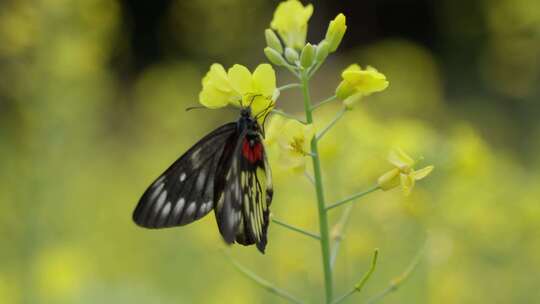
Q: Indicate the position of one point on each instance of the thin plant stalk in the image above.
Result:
(358, 287)
(296, 229)
(289, 86)
(317, 175)
(326, 101)
(353, 197)
(399, 280)
(332, 123)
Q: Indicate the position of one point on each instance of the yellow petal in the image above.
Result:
(216, 89)
(351, 68)
(290, 21)
(264, 80)
(291, 160)
(241, 79)
(407, 183)
(344, 90)
(389, 180)
(400, 159)
(356, 80)
(420, 174)
(273, 130)
(291, 129)
(213, 98)
(218, 78)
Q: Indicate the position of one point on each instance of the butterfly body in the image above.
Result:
(226, 171)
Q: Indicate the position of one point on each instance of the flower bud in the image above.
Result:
(307, 56)
(389, 180)
(291, 22)
(273, 41)
(322, 51)
(335, 32)
(273, 56)
(291, 55)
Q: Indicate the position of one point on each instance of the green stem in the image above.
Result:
(289, 86)
(263, 283)
(322, 103)
(358, 287)
(399, 280)
(332, 123)
(353, 197)
(323, 217)
(296, 229)
(315, 68)
(292, 69)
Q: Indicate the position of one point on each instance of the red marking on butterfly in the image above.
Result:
(252, 153)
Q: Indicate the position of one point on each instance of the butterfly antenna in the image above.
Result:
(195, 108)
(253, 99)
(264, 112)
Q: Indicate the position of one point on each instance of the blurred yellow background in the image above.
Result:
(92, 99)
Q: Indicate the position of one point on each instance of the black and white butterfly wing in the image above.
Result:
(242, 210)
(185, 191)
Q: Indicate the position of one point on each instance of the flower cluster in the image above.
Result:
(287, 47)
(292, 141)
(291, 23)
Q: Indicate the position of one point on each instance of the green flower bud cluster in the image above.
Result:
(285, 40)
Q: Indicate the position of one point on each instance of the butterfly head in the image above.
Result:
(247, 121)
(245, 112)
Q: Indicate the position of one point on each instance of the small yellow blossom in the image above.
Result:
(217, 90)
(335, 32)
(403, 173)
(238, 86)
(293, 139)
(357, 83)
(290, 21)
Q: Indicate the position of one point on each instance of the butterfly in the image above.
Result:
(226, 171)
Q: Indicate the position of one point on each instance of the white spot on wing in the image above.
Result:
(190, 211)
(178, 208)
(182, 177)
(160, 201)
(159, 180)
(166, 209)
(200, 180)
(156, 192)
(204, 208)
(195, 154)
(208, 206)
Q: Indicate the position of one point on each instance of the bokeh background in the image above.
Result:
(92, 99)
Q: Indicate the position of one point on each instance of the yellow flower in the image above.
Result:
(403, 173)
(335, 32)
(217, 90)
(293, 140)
(357, 83)
(238, 86)
(290, 21)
